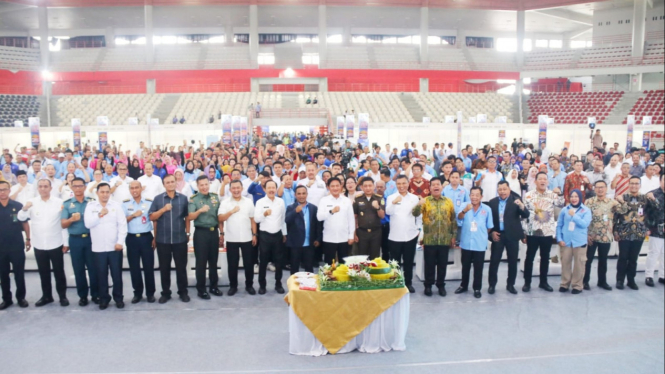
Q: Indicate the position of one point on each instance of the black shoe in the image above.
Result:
(262, 290)
(477, 294)
(216, 292)
(576, 292)
(6, 304)
(491, 290)
(44, 301)
(95, 300)
(202, 295)
(232, 291)
(137, 299)
(649, 282)
(661, 280)
(633, 286)
(511, 289)
(411, 289)
(250, 290)
(151, 299)
(563, 289)
(103, 305)
(279, 289)
(64, 302)
(460, 290)
(163, 299)
(587, 287)
(605, 286)
(119, 304)
(185, 298)
(428, 291)
(83, 301)
(23, 303)
(546, 287)
(526, 288)
(442, 291)
(619, 285)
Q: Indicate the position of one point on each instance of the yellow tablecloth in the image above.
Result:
(336, 317)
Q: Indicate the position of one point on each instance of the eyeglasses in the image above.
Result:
(78, 186)
(4, 189)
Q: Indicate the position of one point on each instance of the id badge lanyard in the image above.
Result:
(474, 224)
(571, 224)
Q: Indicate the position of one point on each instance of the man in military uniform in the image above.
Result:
(12, 249)
(139, 241)
(80, 245)
(203, 209)
(369, 210)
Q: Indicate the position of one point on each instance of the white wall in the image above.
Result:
(615, 15)
(652, 81)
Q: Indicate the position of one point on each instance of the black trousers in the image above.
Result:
(385, 246)
(512, 248)
(629, 251)
(404, 253)
(179, 254)
(335, 250)
(603, 250)
(369, 243)
(271, 247)
(46, 258)
(105, 261)
(533, 243)
(206, 249)
(302, 256)
(139, 251)
(80, 250)
(12, 259)
(249, 254)
(477, 258)
(436, 265)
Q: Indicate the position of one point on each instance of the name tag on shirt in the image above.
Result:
(605, 218)
(571, 226)
(501, 217)
(640, 211)
(459, 202)
(474, 226)
(582, 188)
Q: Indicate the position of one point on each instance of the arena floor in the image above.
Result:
(596, 332)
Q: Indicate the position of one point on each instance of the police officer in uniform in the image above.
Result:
(80, 245)
(139, 242)
(11, 250)
(203, 209)
(369, 211)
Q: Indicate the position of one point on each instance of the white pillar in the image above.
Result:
(636, 82)
(254, 35)
(323, 35)
(346, 36)
(639, 15)
(228, 34)
(424, 34)
(42, 16)
(149, 45)
(109, 36)
(521, 22)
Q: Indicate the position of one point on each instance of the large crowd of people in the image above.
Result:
(290, 202)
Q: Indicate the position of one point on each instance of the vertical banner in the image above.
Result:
(647, 120)
(502, 135)
(459, 132)
(542, 129)
(312, 129)
(243, 130)
(363, 129)
(33, 123)
(226, 128)
(646, 138)
(103, 121)
(350, 124)
(235, 122)
(481, 118)
(340, 126)
(629, 133)
(76, 130)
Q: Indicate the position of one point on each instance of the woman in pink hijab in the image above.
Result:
(180, 184)
(168, 164)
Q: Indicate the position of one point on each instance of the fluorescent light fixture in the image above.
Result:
(505, 81)
(526, 80)
(289, 73)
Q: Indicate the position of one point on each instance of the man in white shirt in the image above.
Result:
(22, 191)
(448, 151)
(269, 213)
(55, 182)
(403, 236)
(339, 225)
(108, 230)
(426, 152)
(120, 184)
(316, 189)
(152, 185)
(47, 239)
(545, 153)
(236, 216)
(278, 170)
(612, 170)
(374, 171)
(91, 188)
(489, 180)
(649, 181)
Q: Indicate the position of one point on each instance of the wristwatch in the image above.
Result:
(331, 212)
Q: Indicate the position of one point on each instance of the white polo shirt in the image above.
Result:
(238, 227)
(45, 229)
(107, 231)
(402, 221)
(153, 186)
(339, 227)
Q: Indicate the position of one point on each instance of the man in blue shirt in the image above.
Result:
(286, 190)
(468, 161)
(304, 231)
(36, 173)
(459, 196)
(256, 188)
(557, 178)
(140, 253)
(476, 225)
(8, 160)
(385, 221)
(62, 168)
(160, 170)
(388, 184)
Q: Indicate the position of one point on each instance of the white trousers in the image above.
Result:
(654, 257)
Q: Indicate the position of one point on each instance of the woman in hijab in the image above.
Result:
(531, 178)
(135, 170)
(571, 234)
(514, 182)
(169, 165)
(8, 175)
(181, 184)
(191, 173)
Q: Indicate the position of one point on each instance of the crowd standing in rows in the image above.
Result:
(292, 201)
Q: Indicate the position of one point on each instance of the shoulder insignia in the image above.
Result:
(146, 199)
(126, 201)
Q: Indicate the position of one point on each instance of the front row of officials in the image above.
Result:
(98, 229)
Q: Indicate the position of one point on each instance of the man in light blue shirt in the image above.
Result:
(390, 186)
(459, 196)
(286, 190)
(476, 223)
(557, 178)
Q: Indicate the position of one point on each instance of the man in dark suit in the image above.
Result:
(507, 211)
(304, 231)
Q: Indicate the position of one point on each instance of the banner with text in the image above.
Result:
(363, 129)
(33, 123)
(235, 122)
(226, 128)
(340, 126)
(76, 130)
(646, 138)
(459, 131)
(243, 130)
(350, 124)
(630, 125)
(542, 129)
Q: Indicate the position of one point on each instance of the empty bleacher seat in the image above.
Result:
(572, 107)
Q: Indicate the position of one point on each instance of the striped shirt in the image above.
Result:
(171, 225)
